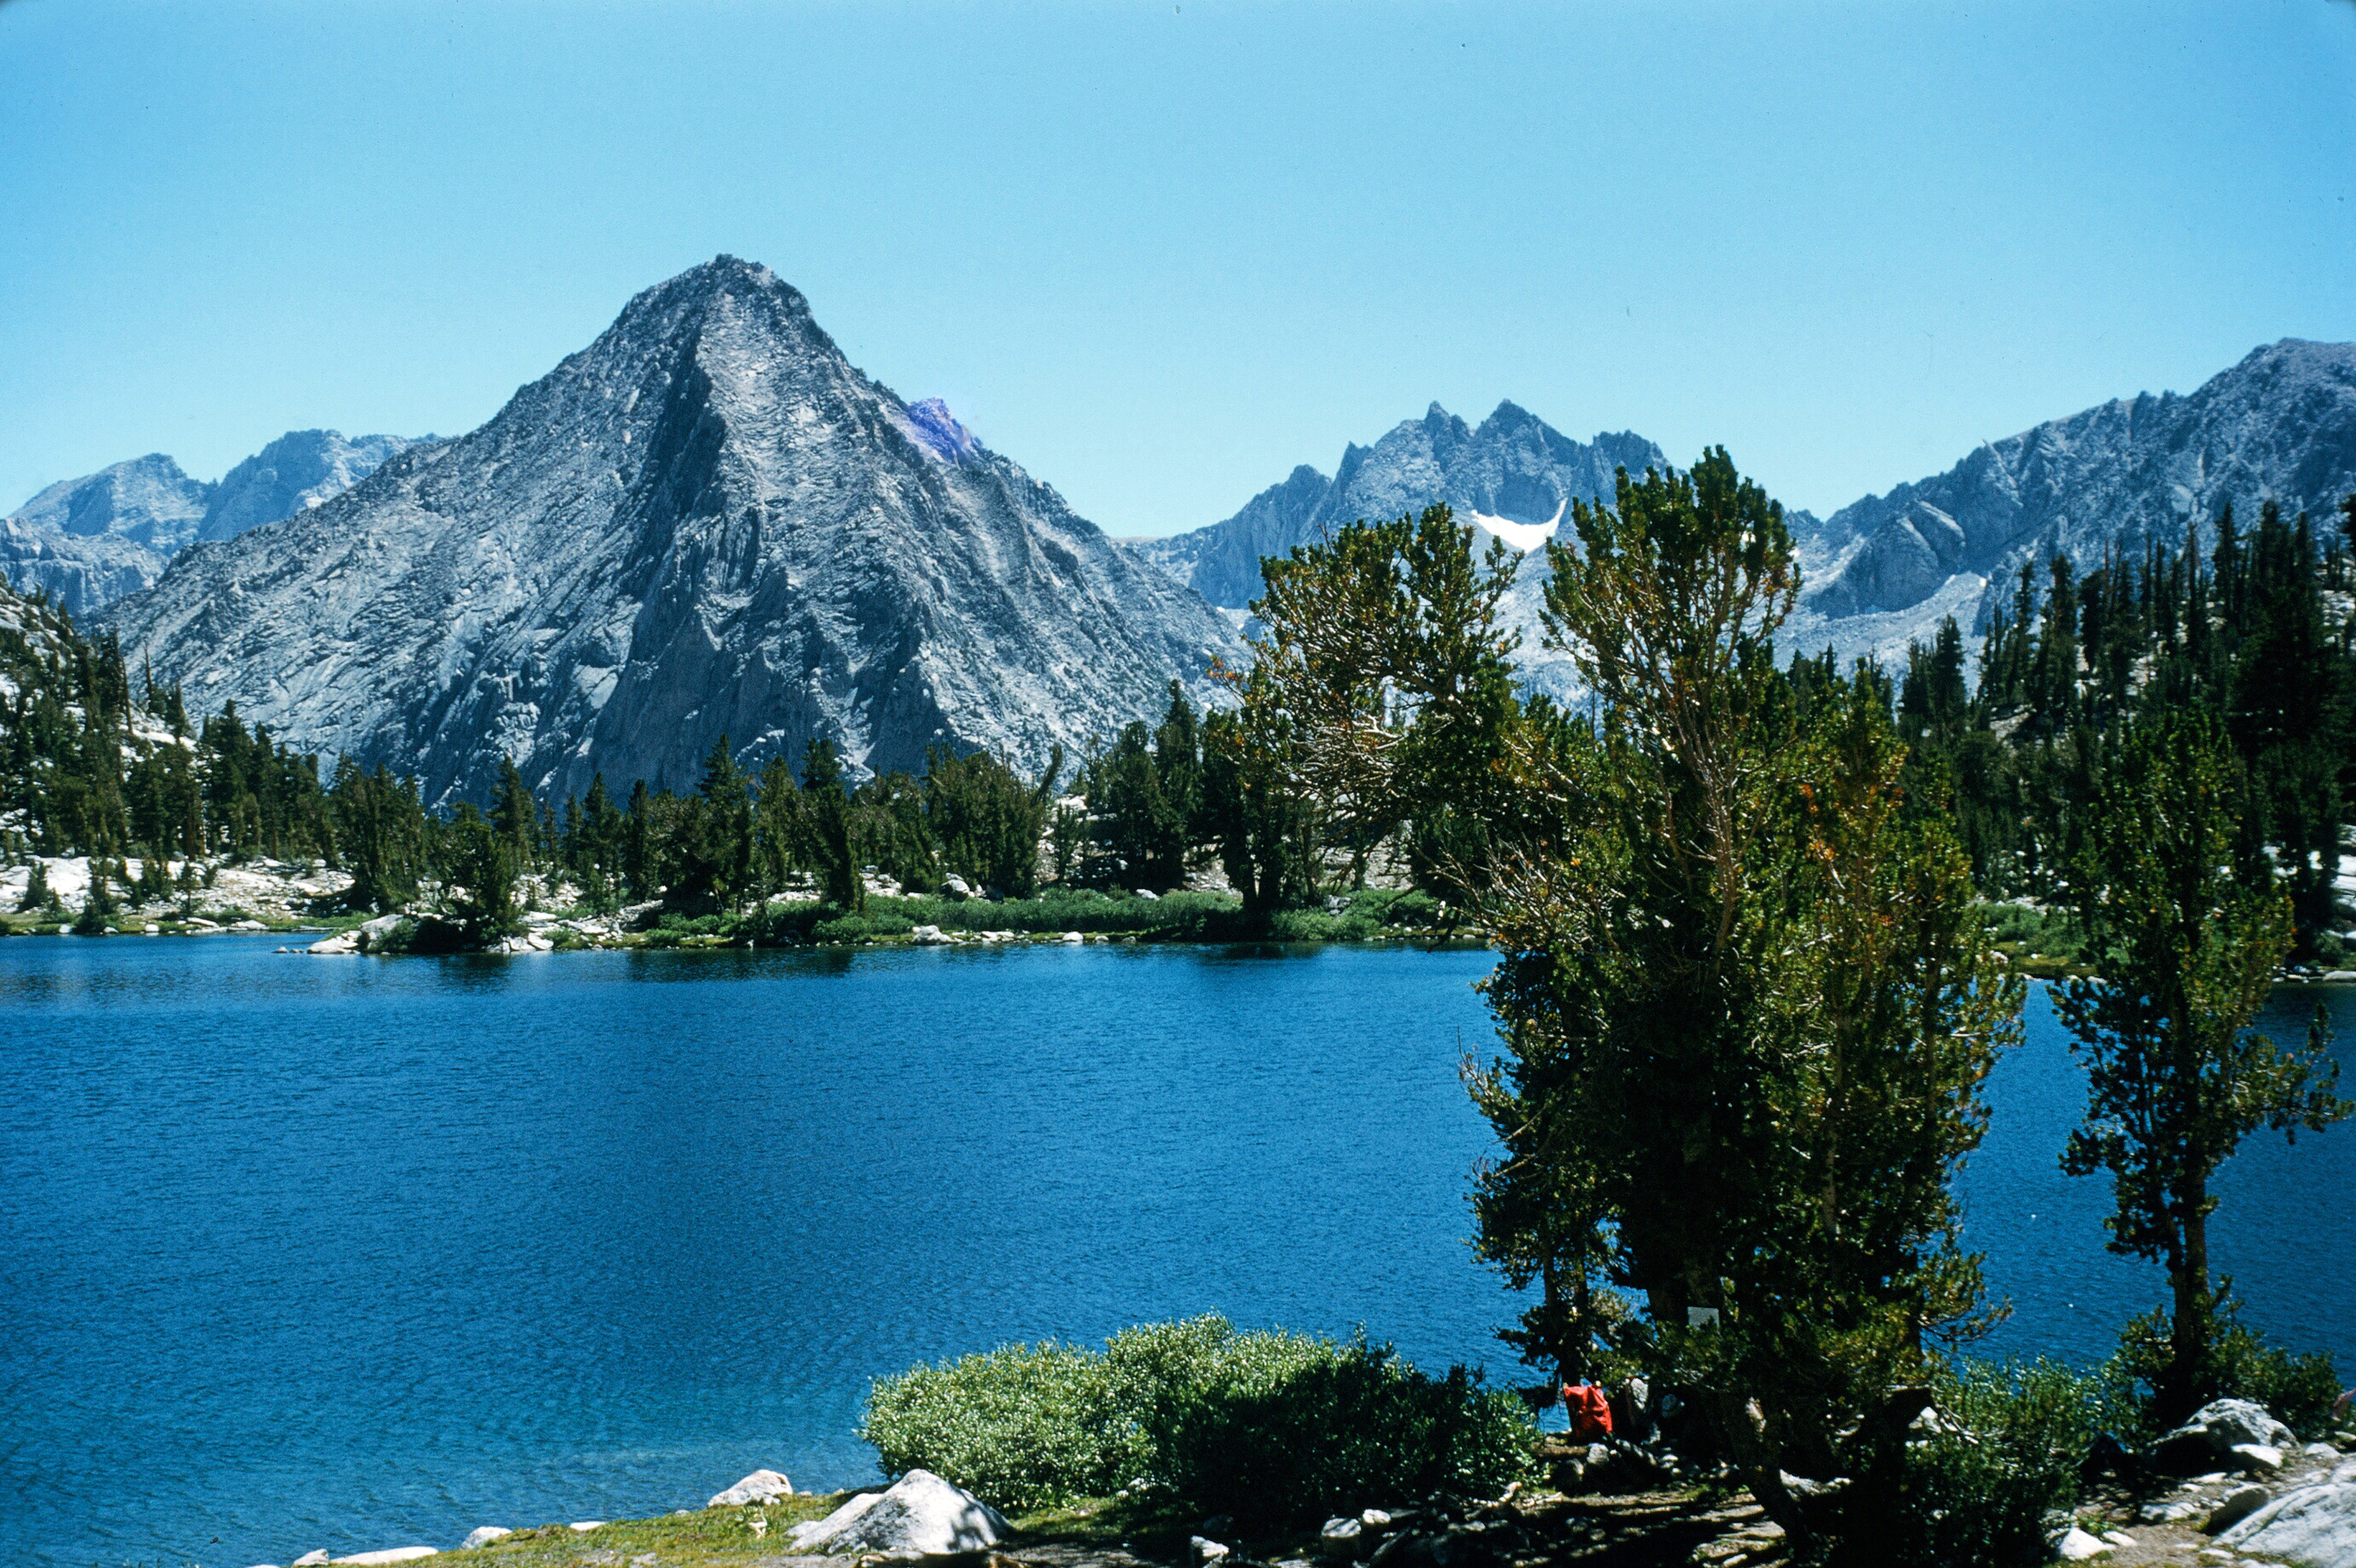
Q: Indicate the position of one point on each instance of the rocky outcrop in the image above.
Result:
(760, 1486)
(919, 1514)
(1513, 470)
(90, 542)
(706, 522)
(2314, 1526)
(2216, 1432)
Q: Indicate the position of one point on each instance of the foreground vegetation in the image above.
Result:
(1269, 1428)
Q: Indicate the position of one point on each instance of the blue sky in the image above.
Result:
(1160, 254)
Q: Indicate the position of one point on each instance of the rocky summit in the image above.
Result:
(705, 523)
(90, 542)
(1512, 476)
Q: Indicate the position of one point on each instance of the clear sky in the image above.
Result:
(1160, 252)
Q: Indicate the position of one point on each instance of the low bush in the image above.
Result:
(1287, 1429)
(1023, 1426)
(1982, 1495)
(1265, 1426)
(2298, 1390)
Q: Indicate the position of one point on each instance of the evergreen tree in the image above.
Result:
(37, 889)
(779, 832)
(1750, 1002)
(512, 815)
(480, 864)
(2175, 1080)
(712, 853)
(97, 906)
(986, 821)
(828, 849)
(379, 823)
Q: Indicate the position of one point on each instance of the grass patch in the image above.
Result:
(689, 1540)
(1185, 917)
(2044, 945)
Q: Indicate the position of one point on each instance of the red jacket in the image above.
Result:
(1591, 1412)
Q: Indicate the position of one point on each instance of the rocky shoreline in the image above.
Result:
(2259, 1498)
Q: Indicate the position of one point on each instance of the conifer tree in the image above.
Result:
(1749, 1002)
(2175, 1079)
(828, 849)
(512, 815)
(779, 832)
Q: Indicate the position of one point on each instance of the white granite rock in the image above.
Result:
(2215, 1431)
(2074, 1545)
(760, 1486)
(2314, 1526)
(484, 1536)
(919, 1514)
(391, 1555)
(2236, 1506)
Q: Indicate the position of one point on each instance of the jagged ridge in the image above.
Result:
(91, 541)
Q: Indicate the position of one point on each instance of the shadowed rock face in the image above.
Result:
(1513, 467)
(706, 522)
(91, 541)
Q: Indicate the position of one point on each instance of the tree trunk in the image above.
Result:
(2189, 1330)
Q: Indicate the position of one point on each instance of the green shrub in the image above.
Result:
(1023, 1426)
(2298, 1390)
(1260, 1425)
(1982, 1495)
(1288, 1430)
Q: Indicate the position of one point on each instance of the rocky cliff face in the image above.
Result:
(2280, 425)
(91, 541)
(299, 471)
(706, 522)
(1514, 469)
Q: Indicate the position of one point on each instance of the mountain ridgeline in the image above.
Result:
(87, 543)
(708, 522)
(1512, 468)
(705, 523)
(2117, 479)
(1885, 571)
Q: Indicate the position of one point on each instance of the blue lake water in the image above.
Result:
(344, 1253)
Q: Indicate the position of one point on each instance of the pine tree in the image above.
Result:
(2175, 1080)
(1749, 987)
(512, 815)
(828, 848)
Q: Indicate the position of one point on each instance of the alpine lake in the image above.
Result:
(344, 1253)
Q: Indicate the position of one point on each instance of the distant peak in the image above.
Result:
(930, 425)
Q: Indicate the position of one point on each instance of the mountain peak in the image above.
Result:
(706, 522)
(931, 426)
(1515, 474)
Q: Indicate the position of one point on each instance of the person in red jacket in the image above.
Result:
(1591, 1412)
